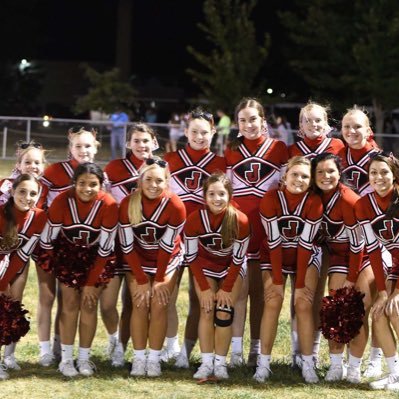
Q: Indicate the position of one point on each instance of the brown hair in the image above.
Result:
(142, 128)
(230, 229)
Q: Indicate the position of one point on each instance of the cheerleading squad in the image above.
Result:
(242, 225)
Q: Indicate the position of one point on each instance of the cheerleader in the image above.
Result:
(291, 217)
(377, 213)
(79, 238)
(189, 167)
(122, 175)
(150, 223)
(313, 130)
(342, 237)
(216, 241)
(360, 146)
(58, 178)
(21, 224)
(254, 163)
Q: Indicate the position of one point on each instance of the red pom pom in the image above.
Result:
(13, 323)
(341, 315)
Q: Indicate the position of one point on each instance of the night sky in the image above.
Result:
(85, 30)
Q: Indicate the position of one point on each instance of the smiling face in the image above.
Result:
(313, 122)
(83, 147)
(250, 123)
(154, 182)
(356, 129)
(327, 175)
(25, 195)
(32, 162)
(297, 179)
(217, 197)
(87, 186)
(199, 134)
(381, 177)
(141, 145)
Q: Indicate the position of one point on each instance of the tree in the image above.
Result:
(106, 93)
(230, 70)
(347, 51)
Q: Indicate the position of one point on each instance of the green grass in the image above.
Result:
(34, 382)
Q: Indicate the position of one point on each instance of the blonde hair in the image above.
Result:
(294, 161)
(307, 108)
(135, 208)
(75, 132)
(230, 228)
(357, 110)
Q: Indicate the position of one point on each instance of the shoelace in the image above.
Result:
(3, 367)
(87, 363)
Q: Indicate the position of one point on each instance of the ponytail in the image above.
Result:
(10, 236)
(230, 228)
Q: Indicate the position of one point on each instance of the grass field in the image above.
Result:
(35, 382)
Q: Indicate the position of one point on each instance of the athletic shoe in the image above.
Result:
(167, 355)
(296, 361)
(262, 374)
(138, 368)
(67, 368)
(336, 372)
(153, 368)
(383, 383)
(86, 367)
(3, 373)
(373, 369)
(236, 359)
(309, 373)
(220, 372)
(353, 375)
(46, 360)
(252, 359)
(204, 371)
(118, 357)
(182, 362)
(11, 363)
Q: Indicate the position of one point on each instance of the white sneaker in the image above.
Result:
(138, 368)
(296, 361)
(67, 368)
(11, 363)
(3, 373)
(182, 362)
(252, 359)
(220, 372)
(336, 372)
(236, 359)
(118, 357)
(262, 374)
(383, 383)
(46, 360)
(153, 368)
(309, 373)
(373, 369)
(86, 367)
(353, 375)
(204, 371)
(167, 355)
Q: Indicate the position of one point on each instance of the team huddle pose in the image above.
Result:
(322, 211)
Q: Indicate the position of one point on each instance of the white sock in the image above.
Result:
(44, 347)
(354, 361)
(66, 352)
(139, 354)
(375, 354)
(172, 344)
(336, 358)
(154, 355)
(264, 361)
(236, 344)
(207, 358)
(84, 353)
(308, 359)
(255, 346)
(114, 337)
(9, 350)
(294, 342)
(220, 360)
(187, 348)
(316, 343)
(393, 364)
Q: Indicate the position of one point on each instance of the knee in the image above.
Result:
(273, 305)
(303, 307)
(207, 317)
(46, 298)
